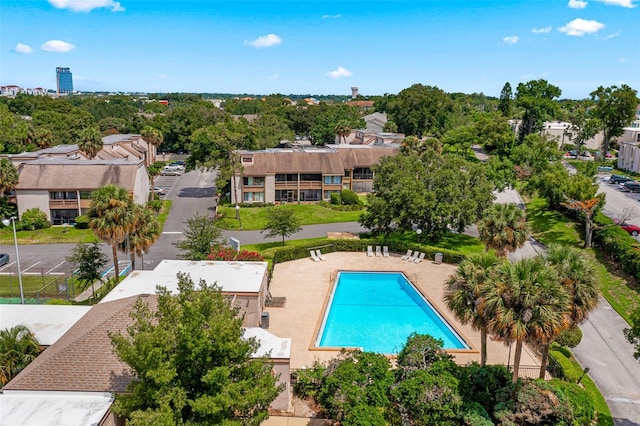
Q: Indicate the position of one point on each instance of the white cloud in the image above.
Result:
(87, 5)
(510, 39)
(264, 41)
(624, 3)
(577, 4)
(340, 72)
(545, 30)
(57, 46)
(579, 27)
(610, 36)
(23, 48)
(331, 16)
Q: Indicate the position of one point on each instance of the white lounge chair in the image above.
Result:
(320, 256)
(314, 257)
(419, 258)
(370, 251)
(385, 251)
(378, 252)
(408, 255)
(414, 257)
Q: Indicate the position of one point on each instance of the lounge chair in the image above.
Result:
(314, 257)
(320, 256)
(408, 255)
(419, 258)
(385, 251)
(378, 252)
(370, 251)
(414, 257)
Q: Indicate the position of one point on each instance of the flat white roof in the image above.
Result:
(47, 322)
(28, 408)
(231, 277)
(270, 344)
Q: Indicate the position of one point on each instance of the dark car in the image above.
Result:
(632, 229)
(4, 259)
(631, 186)
(619, 179)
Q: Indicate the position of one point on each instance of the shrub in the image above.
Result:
(481, 384)
(618, 245)
(570, 337)
(473, 414)
(82, 222)
(336, 199)
(155, 205)
(228, 254)
(349, 197)
(583, 409)
(34, 219)
(308, 381)
(533, 402)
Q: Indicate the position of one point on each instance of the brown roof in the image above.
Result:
(82, 360)
(352, 158)
(364, 104)
(285, 161)
(65, 174)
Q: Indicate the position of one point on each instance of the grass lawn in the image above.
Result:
(32, 285)
(462, 243)
(254, 218)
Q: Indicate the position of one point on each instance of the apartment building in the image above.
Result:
(305, 174)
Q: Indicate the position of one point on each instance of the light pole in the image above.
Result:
(6, 222)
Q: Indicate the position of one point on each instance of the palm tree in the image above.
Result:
(153, 137)
(44, 138)
(8, 176)
(503, 228)
(90, 142)
(524, 303)
(112, 216)
(463, 293)
(342, 131)
(143, 235)
(18, 347)
(578, 277)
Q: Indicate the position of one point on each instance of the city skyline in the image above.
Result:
(323, 48)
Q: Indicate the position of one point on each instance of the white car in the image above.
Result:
(158, 190)
(170, 172)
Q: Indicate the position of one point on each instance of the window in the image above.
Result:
(253, 196)
(362, 173)
(310, 195)
(85, 195)
(286, 195)
(59, 217)
(332, 180)
(327, 194)
(287, 178)
(247, 160)
(253, 181)
(311, 177)
(63, 195)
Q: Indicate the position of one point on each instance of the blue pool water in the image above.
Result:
(377, 311)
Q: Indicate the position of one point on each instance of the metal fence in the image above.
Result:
(37, 286)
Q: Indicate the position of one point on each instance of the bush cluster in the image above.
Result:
(341, 207)
(228, 254)
(570, 337)
(82, 222)
(32, 220)
(618, 245)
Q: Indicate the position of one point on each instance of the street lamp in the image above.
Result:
(6, 222)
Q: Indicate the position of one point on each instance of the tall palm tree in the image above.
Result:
(463, 293)
(503, 228)
(578, 277)
(144, 234)
(112, 216)
(343, 130)
(44, 138)
(523, 303)
(18, 347)
(154, 137)
(90, 141)
(8, 176)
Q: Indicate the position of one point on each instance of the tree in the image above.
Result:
(420, 110)
(201, 234)
(281, 221)
(524, 303)
(342, 131)
(192, 364)
(8, 176)
(503, 228)
(143, 235)
(505, 100)
(89, 262)
(44, 138)
(614, 108)
(18, 347)
(90, 142)
(582, 126)
(537, 98)
(111, 216)
(154, 138)
(578, 277)
(587, 209)
(633, 333)
(463, 294)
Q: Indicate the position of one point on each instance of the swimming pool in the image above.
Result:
(377, 311)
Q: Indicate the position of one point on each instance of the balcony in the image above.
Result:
(303, 185)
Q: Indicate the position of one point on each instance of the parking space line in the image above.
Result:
(26, 269)
(55, 267)
(7, 265)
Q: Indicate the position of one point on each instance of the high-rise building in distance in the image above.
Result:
(64, 80)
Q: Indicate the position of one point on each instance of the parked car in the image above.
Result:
(619, 179)
(158, 190)
(604, 169)
(631, 186)
(632, 229)
(170, 172)
(4, 259)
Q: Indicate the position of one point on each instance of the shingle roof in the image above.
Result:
(83, 359)
(65, 174)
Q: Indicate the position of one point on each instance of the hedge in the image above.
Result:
(618, 245)
(330, 246)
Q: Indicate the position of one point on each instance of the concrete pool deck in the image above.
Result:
(306, 285)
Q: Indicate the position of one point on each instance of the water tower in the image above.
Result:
(354, 92)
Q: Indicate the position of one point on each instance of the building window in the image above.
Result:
(327, 194)
(310, 195)
(60, 217)
(309, 177)
(249, 197)
(247, 160)
(362, 173)
(253, 181)
(332, 180)
(63, 195)
(286, 195)
(287, 178)
(85, 195)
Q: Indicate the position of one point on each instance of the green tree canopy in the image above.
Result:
(503, 228)
(192, 364)
(18, 347)
(201, 235)
(281, 221)
(537, 99)
(420, 110)
(90, 141)
(614, 108)
(8, 176)
(89, 262)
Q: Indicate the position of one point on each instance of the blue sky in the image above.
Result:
(320, 47)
